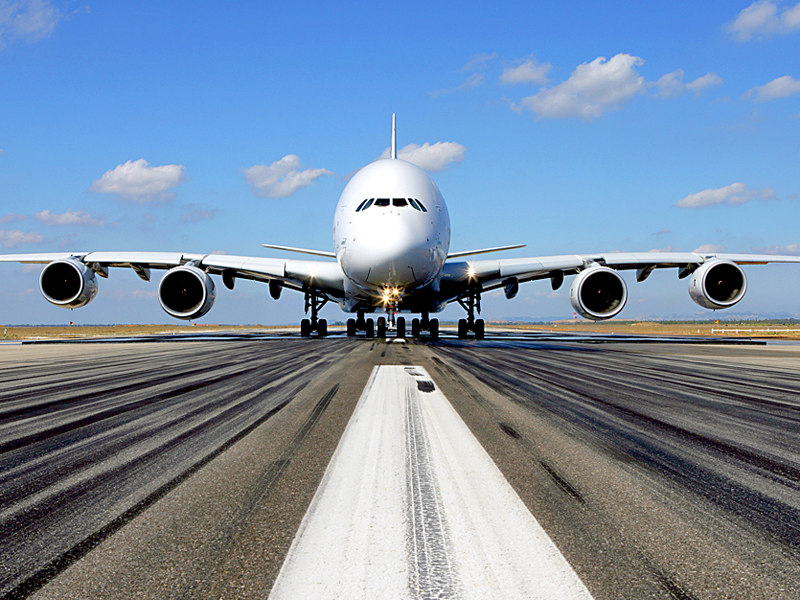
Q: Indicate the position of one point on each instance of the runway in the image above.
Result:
(185, 469)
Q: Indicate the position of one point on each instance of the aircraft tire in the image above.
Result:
(305, 328)
(462, 329)
(479, 329)
(415, 328)
(351, 327)
(434, 329)
(381, 327)
(322, 327)
(369, 328)
(401, 327)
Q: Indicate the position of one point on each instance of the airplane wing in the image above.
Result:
(325, 276)
(459, 276)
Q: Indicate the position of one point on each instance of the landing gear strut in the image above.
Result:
(314, 302)
(471, 303)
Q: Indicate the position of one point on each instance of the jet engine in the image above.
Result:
(718, 284)
(598, 293)
(186, 292)
(68, 283)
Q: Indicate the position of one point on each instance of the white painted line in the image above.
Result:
(411, 506)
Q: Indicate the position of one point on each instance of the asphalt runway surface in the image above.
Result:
(183, 469)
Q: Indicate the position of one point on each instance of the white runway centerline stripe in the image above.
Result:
(412, 506)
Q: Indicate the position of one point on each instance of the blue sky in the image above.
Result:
(570, 127)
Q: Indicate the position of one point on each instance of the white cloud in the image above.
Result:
(136, 180)
(70, 217)
(430, 157)
(479, 61)
(777, 88)
(11, 238)
(12, 218)
(709, 249)
(733, 195)
(671, 84)
(593, 89)
(763, 19)
(474, 80)
(789, 249)
(27, 20)
(529, 70)
(282, 178)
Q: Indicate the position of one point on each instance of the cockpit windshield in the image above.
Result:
(397, 202)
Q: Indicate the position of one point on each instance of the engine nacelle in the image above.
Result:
(186, 292)
(598, 293)
(717, 284)
(68, 283)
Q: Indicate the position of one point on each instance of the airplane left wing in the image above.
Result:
(600, 296)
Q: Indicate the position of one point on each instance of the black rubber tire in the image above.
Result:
(479, 329)
(305, 328)
(351, 327)
(401, 327)
(415, 328)
(434, 329)
(369, 327)
(381, 327)
(322, 327)
(462, 329)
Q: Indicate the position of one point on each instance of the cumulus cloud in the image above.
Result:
(70, 217)
(709, 249)
(136, 180)
(764, 19)
(528, 70)
(27, 20)
(789, 249)
(733, 195)
(777, 88)
(592, 90)
(430, 157)
(282, 178)
(11, 238)
(671, 84)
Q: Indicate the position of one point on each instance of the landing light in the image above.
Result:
(471, 272)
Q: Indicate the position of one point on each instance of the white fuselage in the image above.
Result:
(399, 240)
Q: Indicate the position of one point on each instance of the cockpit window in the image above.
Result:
(367, 204)
(399, 202)
(382, 202)
(422, 206)
(414, 204)
(361, 206)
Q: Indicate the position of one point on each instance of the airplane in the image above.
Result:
(391, 236)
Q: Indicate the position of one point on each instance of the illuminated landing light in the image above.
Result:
(390, 295)
(470, 272)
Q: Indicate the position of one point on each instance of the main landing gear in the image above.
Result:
(313, 303)
(425, 324)
(471, 303)
(379, 328)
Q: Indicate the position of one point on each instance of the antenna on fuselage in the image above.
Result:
(394, 135)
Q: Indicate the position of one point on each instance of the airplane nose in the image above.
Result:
(387, 256)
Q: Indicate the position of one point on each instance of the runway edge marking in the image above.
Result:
(411, 506)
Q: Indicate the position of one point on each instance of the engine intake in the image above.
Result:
(68, 283)
(186, 292)
(598, 293)
(718, 284)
